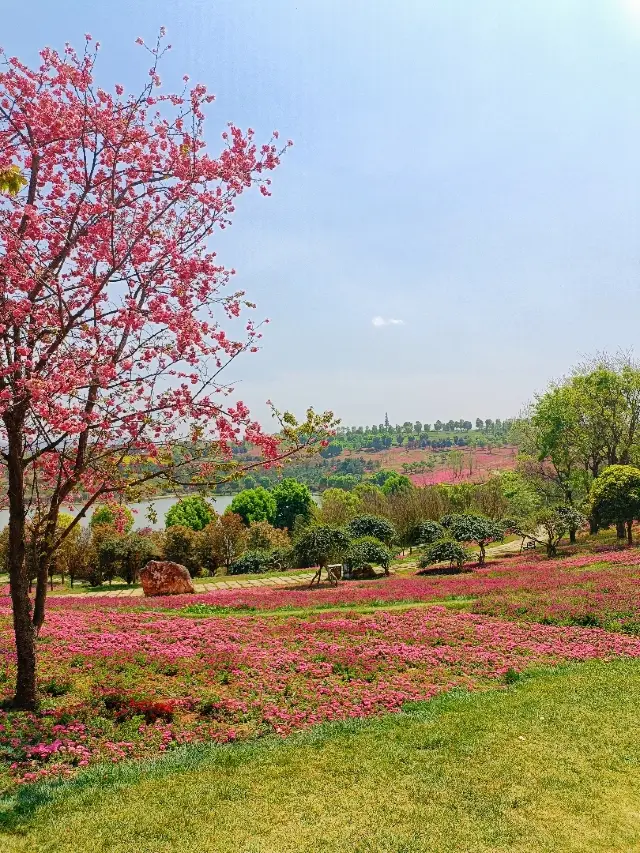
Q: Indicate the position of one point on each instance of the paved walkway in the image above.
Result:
(302, 579)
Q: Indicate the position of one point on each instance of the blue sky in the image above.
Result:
(469, 168)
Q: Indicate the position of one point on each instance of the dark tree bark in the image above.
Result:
(45, 558)
(594, 527)
(572, 536)
(26, 695)
(621, 533)
(630, 532)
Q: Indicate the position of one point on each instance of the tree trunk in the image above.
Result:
(594, 527)
(45, 557)
(572, 536)
(26, 695)
(630, 532)
(621, 533)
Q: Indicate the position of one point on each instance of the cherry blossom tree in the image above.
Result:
(114, 310)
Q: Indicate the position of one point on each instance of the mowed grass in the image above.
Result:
(551, 763)
(203, 611)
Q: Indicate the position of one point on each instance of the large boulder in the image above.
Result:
(162, 577)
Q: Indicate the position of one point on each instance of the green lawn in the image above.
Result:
(551, 763)
(205, 611)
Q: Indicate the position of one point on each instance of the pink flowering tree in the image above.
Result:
(114, 310)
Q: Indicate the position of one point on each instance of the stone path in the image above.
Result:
(301, 579)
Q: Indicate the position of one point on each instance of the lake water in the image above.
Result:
(140, 511)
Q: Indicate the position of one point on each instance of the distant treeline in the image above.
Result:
(440, 435)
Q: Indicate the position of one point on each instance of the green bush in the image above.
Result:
(251, 563)
(320, 545)
(429, 532)
(372, 525)
(368, 551)
(474, 528)
(615, 497)
(125, 556)
(292, 500)
(254, 505)
(180, 547)
(193, 512)
(446, 550)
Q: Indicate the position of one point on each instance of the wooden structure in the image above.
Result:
(334, 573)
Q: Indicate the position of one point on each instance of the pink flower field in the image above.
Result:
(124, 678)
(590, 589)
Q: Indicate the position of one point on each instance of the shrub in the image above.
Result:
(475, 528)
(222, 541)
(125, 556)
(260, 561)
(429, 532)
(554, 521)
(262, 536)
(319, 545)
(368, 551)
(179, 546)
(282, 558)
(292, 499)
(446, 550)
(251, 563)
(372, 525)
(615, 498)
(395, 484)
(339, 507)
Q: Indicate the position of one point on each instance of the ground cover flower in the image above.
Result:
(126, 683)
(611, 579)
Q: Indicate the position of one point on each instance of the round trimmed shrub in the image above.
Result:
(368, 551)
(251, 563)
(372, 526)
(446, 550)
(429, 532)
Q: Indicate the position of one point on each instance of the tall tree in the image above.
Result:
(225, 538)
(590, 420)
(256, 504)
(615, 497)
(292, 499)
(114, 318)
(339, 507)
(193, 511)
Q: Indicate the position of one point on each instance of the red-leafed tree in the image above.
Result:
(113, 306)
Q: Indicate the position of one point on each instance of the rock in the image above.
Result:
(364, 573)
(162, 577)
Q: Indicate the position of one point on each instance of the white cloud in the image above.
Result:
(387, 321)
